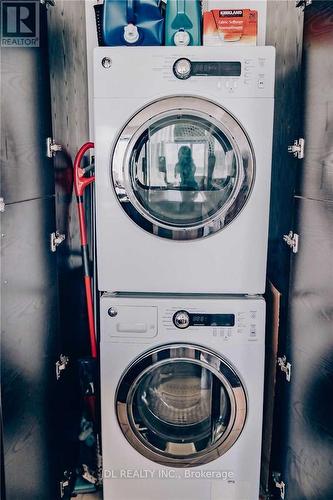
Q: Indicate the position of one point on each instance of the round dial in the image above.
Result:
(182, 69)
(181, 319)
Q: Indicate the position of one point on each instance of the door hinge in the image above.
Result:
(61, 365)
(2, 204)
(285, 367)
(303, 3)
(55, 240)
(48, 3)
(52, 148)
(297, 149)
(64, 484)
(292, 240)
(88, 475)
(279, 484)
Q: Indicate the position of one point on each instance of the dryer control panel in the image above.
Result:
(151, 72)
(184, 68)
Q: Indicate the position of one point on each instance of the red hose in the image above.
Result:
(80, 184)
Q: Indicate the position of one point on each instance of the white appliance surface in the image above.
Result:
(128, 475)
(92, 42)
(131, 258)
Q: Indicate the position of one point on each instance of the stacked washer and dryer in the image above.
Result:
(183, 140)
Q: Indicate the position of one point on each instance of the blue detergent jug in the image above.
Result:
(183, 22)
(132, 22)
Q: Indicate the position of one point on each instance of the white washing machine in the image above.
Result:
(183, 161)
(182, 397)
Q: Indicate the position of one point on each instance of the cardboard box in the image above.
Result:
(230, 26)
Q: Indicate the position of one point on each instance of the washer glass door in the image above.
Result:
(183, 168)
(181, 405)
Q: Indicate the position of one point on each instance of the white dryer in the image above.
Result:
(183, 161)
(182, 396)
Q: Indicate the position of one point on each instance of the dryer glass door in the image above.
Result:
(181, 405)
(183, 168)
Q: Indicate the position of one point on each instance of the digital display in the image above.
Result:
(212, 319)
(216, 68)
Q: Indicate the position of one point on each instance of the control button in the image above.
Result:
(106, 62)
(182, 69)
(181, 319)
(261, 81)
(235, 84)
(253, 331)
(112, 312)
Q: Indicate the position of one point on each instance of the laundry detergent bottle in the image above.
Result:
(132, 22)
(183, 22)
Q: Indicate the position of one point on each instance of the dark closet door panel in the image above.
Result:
(309, 468)
(26, 172)
(29, 343)
(285, 31)
(317, 170)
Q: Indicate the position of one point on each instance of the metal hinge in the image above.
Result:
(279, 484)
(303, 3)
(285, 367)
(292, 240)
(61, 365)
(65, 483)
(88, 475)
(2, 204)
(55, 240)
(297, 149)
(48, 3)
(52, 148)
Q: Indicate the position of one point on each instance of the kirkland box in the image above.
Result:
(230, 26)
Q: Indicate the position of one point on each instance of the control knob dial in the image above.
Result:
(181, 319)
(182, 68)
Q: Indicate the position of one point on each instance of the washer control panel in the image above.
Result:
(232, 319)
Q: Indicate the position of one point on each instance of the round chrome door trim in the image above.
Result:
(195, 107)
(195, 354)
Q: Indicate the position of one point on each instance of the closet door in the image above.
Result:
(285, 23)
(306, 438)
(29, 289)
